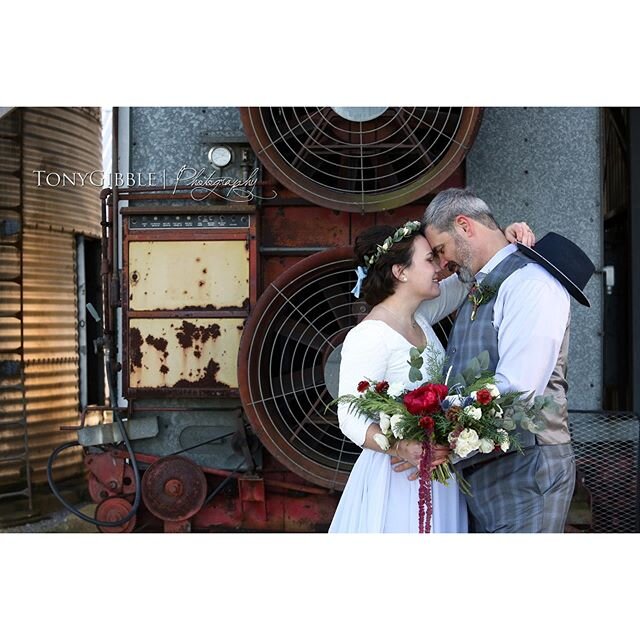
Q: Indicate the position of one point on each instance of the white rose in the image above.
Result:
(395, 429)
(381, 441)
(395, 389)
(505, 444)
(495, 392)
(386, 245)
(473, 412)
(385, 422)
(485, 446)
(468, 441)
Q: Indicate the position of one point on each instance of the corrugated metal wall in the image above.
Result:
(56, 141)
(12, 399)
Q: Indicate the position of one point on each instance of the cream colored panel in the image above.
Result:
(187, 274)
(191, 353)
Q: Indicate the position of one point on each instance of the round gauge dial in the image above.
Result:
(220, 156)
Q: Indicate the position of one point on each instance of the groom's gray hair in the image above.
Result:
(450, 203)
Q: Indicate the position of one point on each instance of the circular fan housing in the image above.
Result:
(361, 158)
(288, 366)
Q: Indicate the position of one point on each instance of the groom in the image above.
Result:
(523, 322)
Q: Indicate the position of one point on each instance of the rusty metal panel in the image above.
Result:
(57, 141)
(303, 226)
(194, 353)
(273, 266)
(174, 275)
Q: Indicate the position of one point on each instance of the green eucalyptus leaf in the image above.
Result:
(507, 424)
(456, 379)
(414, 352)
(483, 360)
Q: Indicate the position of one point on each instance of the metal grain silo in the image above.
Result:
(48, 209)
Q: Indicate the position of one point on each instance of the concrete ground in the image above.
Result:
(47, 514)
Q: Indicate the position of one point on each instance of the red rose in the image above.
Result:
(427, 423)
(381, 387)
(363, 385)
(483, 396)
(425, 399)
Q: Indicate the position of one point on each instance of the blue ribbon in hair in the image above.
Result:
(361, 272)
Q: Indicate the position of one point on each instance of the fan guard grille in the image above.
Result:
(285, 359)
(360, 165)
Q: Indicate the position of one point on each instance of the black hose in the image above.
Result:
(132, 457)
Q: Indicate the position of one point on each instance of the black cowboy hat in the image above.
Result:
(565, 261)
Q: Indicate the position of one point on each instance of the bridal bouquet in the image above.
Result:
(467, 414)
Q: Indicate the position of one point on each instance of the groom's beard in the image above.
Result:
(464, 269)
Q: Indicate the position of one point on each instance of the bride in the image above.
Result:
(399, 281)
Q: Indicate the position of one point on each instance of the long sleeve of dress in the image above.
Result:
(364, 355)
(452, 295)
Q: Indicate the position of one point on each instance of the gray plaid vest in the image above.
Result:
(470, 337)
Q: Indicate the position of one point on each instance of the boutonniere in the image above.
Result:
(481, 294)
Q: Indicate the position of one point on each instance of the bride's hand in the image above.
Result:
(399, 463)
(520, 232)
(409, 450)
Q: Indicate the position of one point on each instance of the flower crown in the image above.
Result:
(405, 230)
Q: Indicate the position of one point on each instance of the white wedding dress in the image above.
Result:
(377, 499)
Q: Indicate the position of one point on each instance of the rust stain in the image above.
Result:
(201, 283)
(212, 307)
(135, 353)
(204, 271)
(207, 381)
(158, 343)
(190, 333)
